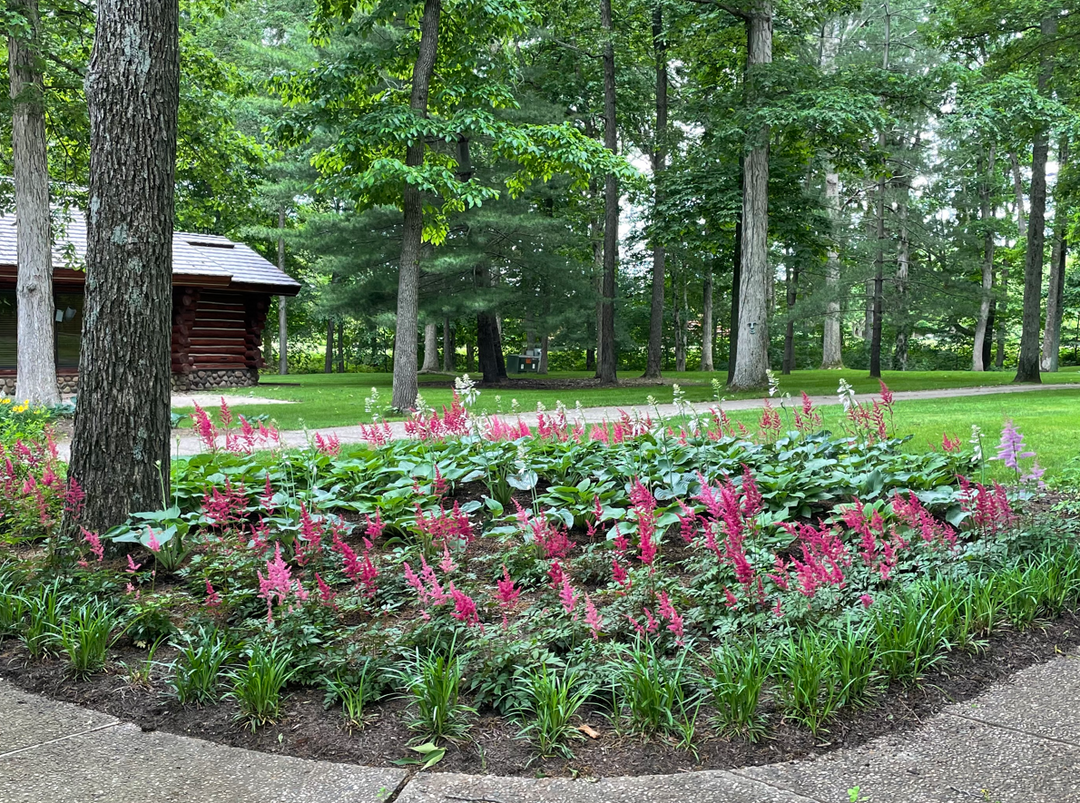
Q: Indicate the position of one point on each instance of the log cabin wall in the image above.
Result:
(216, 338)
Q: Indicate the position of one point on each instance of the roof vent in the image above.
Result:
(204, 244)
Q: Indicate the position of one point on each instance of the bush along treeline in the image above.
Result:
(687, 578)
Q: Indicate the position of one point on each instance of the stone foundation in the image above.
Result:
(196, 380)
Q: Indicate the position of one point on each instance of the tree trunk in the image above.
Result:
(736, 283)
(448, 346)
(987, 213)
(1021, 226)
(120, 449)
(431, 349)
(282, 320)
(408, 300)
(659, 164)
(753, 333)
(543, 367)
(903, 266)
(328, 356)
(1058, 252)
(35, 334)
(1027, 364)
(606, 364)
(831, 345)
(879, 262)
(469, 355)
(341, 346)
(590, 359)
(486, 347)
(679, 320)
(791, 289)
(707, 326)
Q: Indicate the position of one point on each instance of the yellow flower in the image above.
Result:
(5, 401)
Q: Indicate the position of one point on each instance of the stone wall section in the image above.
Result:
(202, 379)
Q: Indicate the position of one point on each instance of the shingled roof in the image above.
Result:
(195, 257)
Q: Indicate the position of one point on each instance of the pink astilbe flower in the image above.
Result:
(464, 607)
(225, 506)
(326, 594)
(567, 597)
(506, 592)
(152, 543)
(555, 575)
(277, 583)
(328, 445)
(376, 435)
(213, 598)
(266, 501)
(688, 522)
(866, 600)
(950, 444)
(447, 563)
(651, 625)
(671, 616)
(911, 511)
(373, 527)
(729, 598)
(94, 542)
(593, 618)
(309, 543)
(205, 428)
(132, 566)
(770, 424)
(620, 575)
(598, 516)
(752, 501)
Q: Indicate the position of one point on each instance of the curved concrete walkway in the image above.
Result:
(1019, 742)
(186, 444)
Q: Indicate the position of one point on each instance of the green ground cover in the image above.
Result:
(327, 400)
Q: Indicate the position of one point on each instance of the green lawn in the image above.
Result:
(1050, 420)
(326, 400)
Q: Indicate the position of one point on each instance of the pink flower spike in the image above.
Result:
(132, 565)
(213, 598)
(866, 600)
(153, 544)
(94, 542)
(593, 619)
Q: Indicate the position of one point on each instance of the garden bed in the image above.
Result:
(625, 598)
(308, 730)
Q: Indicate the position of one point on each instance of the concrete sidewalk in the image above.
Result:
(187, 444)
(1019, 742)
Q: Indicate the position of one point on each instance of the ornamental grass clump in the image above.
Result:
(552, 699)
(45, 606)
(85, 636)
(197, 671)
(806, 680)
(433, 686)
(910, 634)
(257, 685)
(737, 674)
(354, 690)
(653, 692)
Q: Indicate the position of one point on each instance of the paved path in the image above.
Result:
(1019, 742)
(187, 444)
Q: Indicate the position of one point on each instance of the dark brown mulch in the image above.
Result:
(307, 730)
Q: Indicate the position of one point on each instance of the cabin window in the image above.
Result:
(68, 319)
(8, 323)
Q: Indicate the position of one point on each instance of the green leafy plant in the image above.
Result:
(433, 683)
(196, 675)
(257, 685)
(44, 608)
(554, 699)
(354, 689)
(855, 664)
(652, 691)
(909, 634)
(85, 636)
(804, 670)
(736, 676)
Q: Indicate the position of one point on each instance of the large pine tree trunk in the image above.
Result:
(448, 346)
(283, 320)
(120, 449)
(606, 362)
(752, 357)
(679, 321)
(1003, 295)
(831, 344)
(36, 359)
(659, 163)
(708, 328)
(1055, 291)
(431, 349)
(408, 300)
(903, 267)
(986, 215)
(879, 262)
(736, 283)
(328, 356)
(1027, 364)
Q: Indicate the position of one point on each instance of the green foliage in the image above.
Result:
(196, 673)
(433, 683)
(46, 606)
(257, 685)
(552, 700)
(804, 671)
(85, 636)
(737, 673)
(654, 692)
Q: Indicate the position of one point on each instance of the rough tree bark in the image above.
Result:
(544, 344)
(449, 348)
(341, 347)
(1056, 287)
(791, 293)
(36, 359)
(752, 359)
(879, 262)
(1027, 364)
(1022, 227)
(987, 213)
(120, 449)
(707, 326)
(831, 344)
(408, 300)
(606, 360)
(328, 356)
(431, 349)
(678, 319)
(903, 265)
(659, 163)
(736, 283)
(282, 316)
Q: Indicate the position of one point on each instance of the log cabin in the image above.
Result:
(221, 294)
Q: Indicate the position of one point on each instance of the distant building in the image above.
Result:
(221, 293)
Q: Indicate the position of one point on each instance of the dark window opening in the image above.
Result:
(68, 315)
